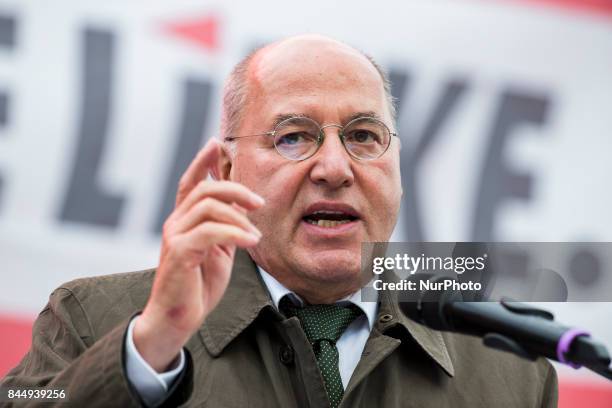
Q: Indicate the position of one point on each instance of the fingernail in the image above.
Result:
(258, 199)
(254, 238)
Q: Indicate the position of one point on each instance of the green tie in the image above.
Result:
(323, 326)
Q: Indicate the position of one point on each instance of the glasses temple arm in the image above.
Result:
(231, 138)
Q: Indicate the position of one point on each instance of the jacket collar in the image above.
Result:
(246, 298)
(277, 291)
(431, 341)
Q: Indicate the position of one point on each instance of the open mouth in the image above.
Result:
(329, 219)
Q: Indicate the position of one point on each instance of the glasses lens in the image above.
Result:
(296, 138)
(366, 138)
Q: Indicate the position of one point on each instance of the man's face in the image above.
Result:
(329, 83)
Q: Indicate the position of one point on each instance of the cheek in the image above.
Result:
(384, 192)
(273, 179)
(393, 180)
(253, 171)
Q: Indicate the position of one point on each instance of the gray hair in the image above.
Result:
(235, 92)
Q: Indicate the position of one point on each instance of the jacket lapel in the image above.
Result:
(431, 341)
(242, 302)
(382, 343)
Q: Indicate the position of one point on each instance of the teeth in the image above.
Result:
(327, 223)
(327, 212)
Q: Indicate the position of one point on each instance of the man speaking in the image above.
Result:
(256, 300)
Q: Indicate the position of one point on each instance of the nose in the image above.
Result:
(332, 165)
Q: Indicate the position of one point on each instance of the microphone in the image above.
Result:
(509, 326)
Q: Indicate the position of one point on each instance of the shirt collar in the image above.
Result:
(277, 291)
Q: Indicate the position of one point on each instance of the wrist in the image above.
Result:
(159, 344)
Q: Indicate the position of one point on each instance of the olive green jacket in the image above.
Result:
(246, 354)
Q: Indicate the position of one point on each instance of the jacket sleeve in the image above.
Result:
(65, 356)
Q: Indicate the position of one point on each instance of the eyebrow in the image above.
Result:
(284, 116)
(369, 114)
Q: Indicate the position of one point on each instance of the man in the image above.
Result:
(255, 301)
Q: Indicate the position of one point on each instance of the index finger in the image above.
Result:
(198, 169)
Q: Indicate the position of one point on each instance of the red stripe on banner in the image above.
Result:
(16, 337)
(581, 393)
(598, 7)
(16, 334)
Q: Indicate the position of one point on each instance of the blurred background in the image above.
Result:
(505, 113)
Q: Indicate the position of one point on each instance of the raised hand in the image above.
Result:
(198, 245)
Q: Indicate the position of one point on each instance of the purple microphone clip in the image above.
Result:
(565, 343)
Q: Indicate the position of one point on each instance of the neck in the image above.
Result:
(319, 297)
(316, 292)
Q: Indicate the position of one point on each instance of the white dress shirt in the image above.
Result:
(350, 345)
(152, 386)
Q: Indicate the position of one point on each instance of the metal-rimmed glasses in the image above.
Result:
(299, 138)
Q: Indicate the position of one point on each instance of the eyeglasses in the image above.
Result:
(299, 138)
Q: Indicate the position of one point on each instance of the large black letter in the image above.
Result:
(7, 40)
(411, 156)
(85, 201)
(498, 181)
(195, 114)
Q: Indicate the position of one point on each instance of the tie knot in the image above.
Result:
(322, 322)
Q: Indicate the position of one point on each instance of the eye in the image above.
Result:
(363, 136)
(291, 139)
(296, 138)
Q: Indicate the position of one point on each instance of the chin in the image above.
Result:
(333, 266)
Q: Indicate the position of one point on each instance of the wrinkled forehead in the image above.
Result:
(310, 70)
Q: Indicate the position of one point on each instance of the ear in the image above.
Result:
(223, 167)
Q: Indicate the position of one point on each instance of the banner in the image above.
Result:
(503, 113)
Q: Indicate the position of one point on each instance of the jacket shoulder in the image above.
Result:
(109, 283)
(105, 301)
(502, 371)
